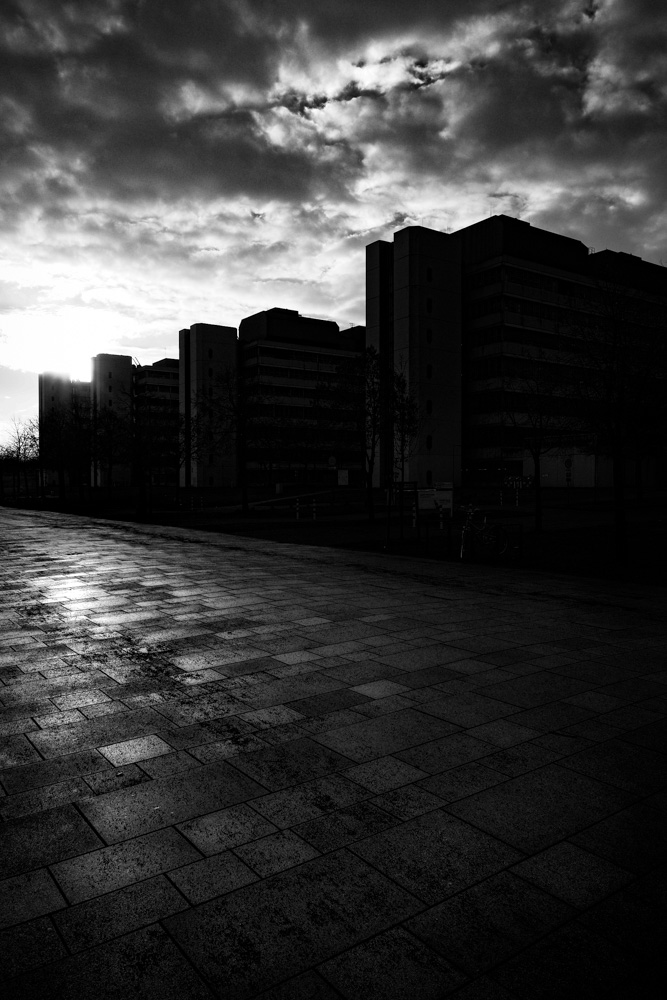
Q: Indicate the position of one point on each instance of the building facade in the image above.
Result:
(499, 329)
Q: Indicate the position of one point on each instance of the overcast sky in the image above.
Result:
(166, 162)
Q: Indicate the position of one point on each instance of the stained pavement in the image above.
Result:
(233, 768)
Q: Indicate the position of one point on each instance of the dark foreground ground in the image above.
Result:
(236, 768)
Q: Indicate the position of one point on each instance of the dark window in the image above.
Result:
(429, 478)
(429, 371)
(429, 305)
(429, 274)
(110, 389)
(110, 374)
(210, 480)
(210, 353)
(210, 372)
(429, 442)
(429, 335)
(429, 407)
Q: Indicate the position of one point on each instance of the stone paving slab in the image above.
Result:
(232, 768)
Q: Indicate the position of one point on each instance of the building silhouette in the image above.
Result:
(495, 328)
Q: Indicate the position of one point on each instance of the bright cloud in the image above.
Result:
(168, 163)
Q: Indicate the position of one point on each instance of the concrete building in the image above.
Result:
(490, 325)
(156, 459)
(64, 430)
(207, 379)
(111, 417)
(288, 366)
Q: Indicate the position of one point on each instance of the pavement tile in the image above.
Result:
(275, 853)
(110, 868)
(502, 733)
(143, 965)
(47, 797)
(633, 839)
(162, 802)
(407, 802)
(130, 751)
(386, 735)
(485, 924)
(435, 855)
(448, 752)
(290, 763)
(111, 779)
(97, 732)
(27, 896)
(16, 750)
(127, 909)
(343, 826)
(44, 838)
(540, 808)
(394, 964)
(383, 774)
(519, 759)
(308, 800)
(26, 947)
(574, 875)
(571, 962)
(260, 935)
(226, 828)
(211, 877)
(309, 986)
(470, 709)
(633, 768)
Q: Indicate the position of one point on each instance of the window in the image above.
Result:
(210, 353)
(429, 477)
(429, 274)
(429, 371)
(110, 389)
(110, 374)
(429, 442)
(210, 373)
(429, 306)
(429, 335)
(429, 407)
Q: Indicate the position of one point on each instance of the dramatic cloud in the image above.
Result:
(167, 162)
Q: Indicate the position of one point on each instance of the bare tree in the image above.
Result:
(538, 396)
(407, 424)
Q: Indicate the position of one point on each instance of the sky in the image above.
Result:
(164, 162)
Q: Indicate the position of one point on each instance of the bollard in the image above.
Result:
(314, 510)
(297, 508)
(441, 520)
(414, 515)
(516, 498)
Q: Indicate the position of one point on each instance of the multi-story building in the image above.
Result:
(289, 369)
(494, 328)
(64, 430)
(207, 379)
(119, 429)
(111, 419)
(156, 424)
(259, 408)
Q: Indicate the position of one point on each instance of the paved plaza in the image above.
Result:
(233, 769)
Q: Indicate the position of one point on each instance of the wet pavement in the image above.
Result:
(233, 768)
